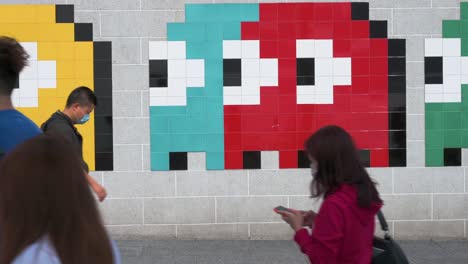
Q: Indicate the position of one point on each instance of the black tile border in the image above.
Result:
(64, 14)
(252, 159)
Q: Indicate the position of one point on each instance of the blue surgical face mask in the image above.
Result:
(83, 120)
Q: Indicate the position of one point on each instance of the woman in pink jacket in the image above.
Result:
(343, 229)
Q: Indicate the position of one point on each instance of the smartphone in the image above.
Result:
(281, 208)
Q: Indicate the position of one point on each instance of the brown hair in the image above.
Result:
(338, 163)
(13, 58)
(43, 192)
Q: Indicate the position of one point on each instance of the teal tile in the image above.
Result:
(159, 124)
(176, 31)
(201, 12)
(188, 142)
(250, 12)
(196, 105)
(215, 142)
(160, 142)
(215, 105)
(194, 32)
(216, 125)
(159, 161)
(215, 160)
(167, 110)
(195, 92)
(214, 32)
(232, 31)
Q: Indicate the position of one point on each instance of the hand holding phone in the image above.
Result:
(280, 209)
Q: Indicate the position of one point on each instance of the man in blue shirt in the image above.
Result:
(15, 127)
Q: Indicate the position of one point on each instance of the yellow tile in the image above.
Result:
(47, 50)
(57, 32)
(65, 69)
(65, 51)
(84, 50)
(18, 14)
(84, 69)
(21, 32)
(47, 93)
(85, 82)
(45, 14)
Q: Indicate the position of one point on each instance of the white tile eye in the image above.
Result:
(232, 49)
(433, 47)
(176, 50)
(158, 50)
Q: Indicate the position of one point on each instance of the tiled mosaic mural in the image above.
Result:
(63, 56)
(245, 84)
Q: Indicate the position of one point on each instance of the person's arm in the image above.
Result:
(323, 245)
(98, 189)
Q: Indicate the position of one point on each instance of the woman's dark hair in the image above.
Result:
(338, 163)
(43, 192)
(13, 58)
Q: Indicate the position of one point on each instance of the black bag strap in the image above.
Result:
(383, 223)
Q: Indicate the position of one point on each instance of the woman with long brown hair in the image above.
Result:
(343, 229)
(47, 212)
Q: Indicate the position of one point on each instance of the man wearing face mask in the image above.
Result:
(80, 103)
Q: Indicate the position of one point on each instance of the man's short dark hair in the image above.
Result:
(82, 96)
(13, 59)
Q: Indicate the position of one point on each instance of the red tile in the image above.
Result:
(268, 12)
(379, 48)
(268, 30)
(258, 122)
(305, 122)
(378, 84)
(323, 11)
(342, 30)
(287, 49)
(287, 104)
(287, 71)
(233, 141)
(288, 12)
(342, 11)
(303, 108)
(361, 85)
(360, 29)
(269, 103)
(250, 30)
(342, 89)
(304, 11)
(360, 48)
(253, 141)
(232, 123)
(268, 49)
(287, 31)
(379, 158)
(378, 121)
(305, 30)
(378, 103)
(379, 66)
(322, 120)
(233, 160)
(342, 103)
(287, 123)
(360, 103)
(359, 121)
(302, 138)
(323, 30)
(288, 159)
(360, 137)
(360, 66)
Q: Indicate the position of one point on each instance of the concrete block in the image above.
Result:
(196, 161)
(270, 160)
(126, 104)
(450, 206)
(279, 231)
(429, 230)
(97, 176)
(248, 209)
(448, 179)
(416, 156)
(105, 5)
(135, 24)
(415, 47)
(89, 17)
(397, 3)
(445, 3)
(415, 73)
(212, 183)
(146, 152)
(382, 14)
(145, 103)
(32, 2)
(383, 177)
(140, 184)
(282, 182)
(137, 232)
(166, 4)
(415, 101)
(130, 77)
(408, 21)
(131, 131)
(415, 127)
(407, 207)
(304, 203)
(125, 50)
(179, 210)
(122, 211)
(429, 180)
(128, 158)
(213, 232)
(144, 42)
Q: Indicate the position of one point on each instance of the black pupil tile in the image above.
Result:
(302, 159)
(378, 29)
(64, 14)
(360, 11)
(305, 71)
(452, 157)
(178, 161)
(397, 139)
(158, 73)
(396, 48)
(232, 69)
(83, 32)
(364, 156)
(396, 66)
(397, 157)
(397, 121)
(252, 160)
(433, 67)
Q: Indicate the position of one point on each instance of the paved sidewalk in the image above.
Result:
(263, 252)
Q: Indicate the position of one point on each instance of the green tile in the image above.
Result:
(215, 160)
(434, 157)
(434, 107)
(464, 46)
(451, 29)
(452, 107)
(452, 120)
(159, 161)
(434, 139)
(464, 10)
(464, 138)
(453, 139)
(434, 120)
(464, 118)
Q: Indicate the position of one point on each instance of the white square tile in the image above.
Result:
(232, 100)
(28, 88)
(433, 88)
(323, 90)
(250, 100)
(232, 90)
(47, 83)
(181, 100)
(451, 47)
(156, 92)
(176, 50)
(451, 66)
(30, 72)
(342, 80)
(305, 90)
(324, 82)
(195, 68)
(452, 97)
(324, 48)
(323, 67)
(305, 48)
(195, 82)
(15, 99)
(158, 50)
(324, 99)
(452, 84)
(341, 66)
(250, 49)
(306, 99)
(250, 82)
(176, 68)
(31, 49)
(47, 69)
(158, 101)
(268, 67)
(177, 87)
(269, 81)
(464, 78)
(250, 68)
(464, 65)
(28, 102)
(434, 98)
(232, 49)
(433, 47)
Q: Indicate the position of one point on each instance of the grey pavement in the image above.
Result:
(271, 252)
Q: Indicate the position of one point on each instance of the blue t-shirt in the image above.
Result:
(15, 128)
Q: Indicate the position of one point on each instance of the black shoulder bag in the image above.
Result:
(386, 250)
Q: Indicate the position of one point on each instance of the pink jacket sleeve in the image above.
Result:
(324, 243)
